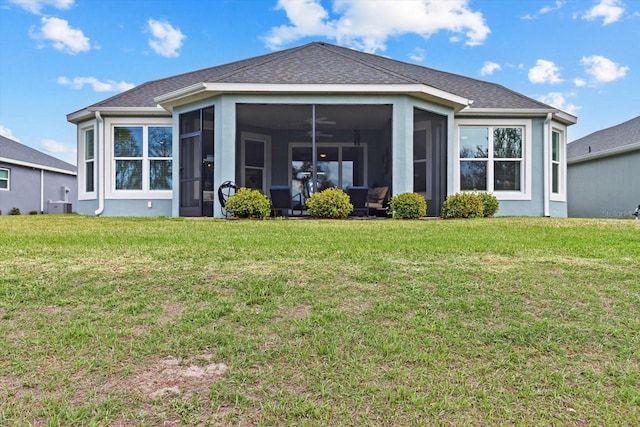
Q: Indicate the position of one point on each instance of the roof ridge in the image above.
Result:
(338, 51)
(268, 57)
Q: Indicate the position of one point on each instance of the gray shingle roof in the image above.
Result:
(323, 63)
(618, 136)
(14, 150)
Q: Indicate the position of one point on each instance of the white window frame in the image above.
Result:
(82, 163)
(110, 160)
(7, 179)
(561, 195)
(526, 175)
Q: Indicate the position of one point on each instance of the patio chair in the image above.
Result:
(358, 196)
(283, 202)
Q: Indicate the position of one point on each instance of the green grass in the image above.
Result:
(506, 321)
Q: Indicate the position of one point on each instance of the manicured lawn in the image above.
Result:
(299, 322)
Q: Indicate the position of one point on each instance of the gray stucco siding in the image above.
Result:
(27, 194)
(605, 187)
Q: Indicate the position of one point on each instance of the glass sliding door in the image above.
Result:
(338, 165)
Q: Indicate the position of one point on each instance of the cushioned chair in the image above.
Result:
(358, 196)
(283, 203)
(377, 200)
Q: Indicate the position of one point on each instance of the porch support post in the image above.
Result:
(224, 147)
(402, 147)
(314, 160)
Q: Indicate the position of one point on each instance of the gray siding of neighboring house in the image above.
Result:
(606, 187)
(25, 189)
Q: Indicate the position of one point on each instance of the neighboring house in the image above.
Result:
(603, 172)
(30, 180)
(166, 146)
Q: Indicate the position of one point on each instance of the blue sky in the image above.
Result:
(59, 56)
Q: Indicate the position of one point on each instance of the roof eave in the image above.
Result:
(605, 153)
(37, 166)
(560, 116)
(204, 90)
(90, 113)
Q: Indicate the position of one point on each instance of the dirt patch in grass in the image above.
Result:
(170, 377)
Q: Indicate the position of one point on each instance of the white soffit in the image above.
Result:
(203, 90)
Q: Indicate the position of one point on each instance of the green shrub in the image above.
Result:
(14, 211)
(248, 203)
(407, 206)
(462, 205)
(490, 204)
(330, 203)
(33, 212)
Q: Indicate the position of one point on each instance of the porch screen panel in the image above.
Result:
(190, 192)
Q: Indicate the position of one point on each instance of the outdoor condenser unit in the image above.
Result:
(59, 207)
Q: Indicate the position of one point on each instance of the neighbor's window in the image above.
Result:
(491, 158)
(89, 161)
(142, 156)
(5, 174)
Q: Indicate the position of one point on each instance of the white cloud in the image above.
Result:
(609, 10)
(62, 36)
(56, 147)
(36, 6)
(602, 69)
(166, 40)
(579, 82)
(489, 68)
(367, 25)
(545, 72)
(417, 54)
(7, 133)
(546, 9)
(96, 85)
(558, 100)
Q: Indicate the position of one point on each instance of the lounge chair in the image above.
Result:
(283, 203)
(358, 196)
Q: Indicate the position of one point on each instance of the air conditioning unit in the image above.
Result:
(59, 207)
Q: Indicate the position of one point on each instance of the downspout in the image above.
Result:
(100, 163)
(41, 190)
(546, 139)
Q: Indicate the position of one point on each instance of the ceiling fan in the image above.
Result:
(320, 121)
(319, 134)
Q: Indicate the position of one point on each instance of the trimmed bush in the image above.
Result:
(331, 203)
(462, 205)
(248, 203)
(490, 204)
(407, 206)
(14, 211)
(33, 212)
